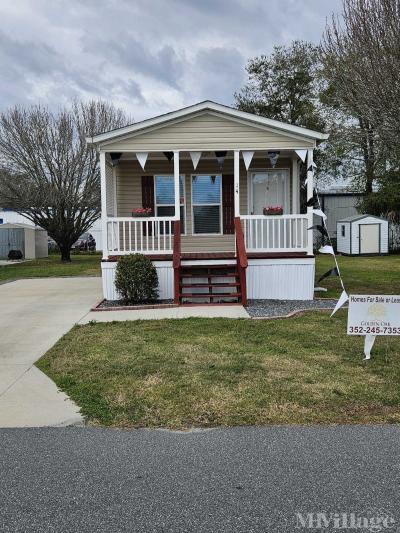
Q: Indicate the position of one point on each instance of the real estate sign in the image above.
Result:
(373, 315)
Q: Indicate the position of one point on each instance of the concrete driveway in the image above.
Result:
(34, 314)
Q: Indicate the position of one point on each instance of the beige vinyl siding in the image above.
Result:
(129, 194)
(209, 131)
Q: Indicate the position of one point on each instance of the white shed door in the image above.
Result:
(369, 239)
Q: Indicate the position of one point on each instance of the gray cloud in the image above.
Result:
(147, 56)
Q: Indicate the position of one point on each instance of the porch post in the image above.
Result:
(310, 192)
(295, 186)
(176, 185)
(236, 176)
(103, 190)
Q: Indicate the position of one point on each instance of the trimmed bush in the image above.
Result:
(136, 278)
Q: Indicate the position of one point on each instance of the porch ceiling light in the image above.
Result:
(273, 157)
(169, 155)
(220, 157)
(115, 157)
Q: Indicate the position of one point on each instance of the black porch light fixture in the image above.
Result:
(169, 155)
(220, 155)
(115, 157)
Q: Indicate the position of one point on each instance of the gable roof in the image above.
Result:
(200, 107)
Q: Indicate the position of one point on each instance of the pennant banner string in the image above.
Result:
(329, 239)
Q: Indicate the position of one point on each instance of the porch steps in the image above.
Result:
(212, 284)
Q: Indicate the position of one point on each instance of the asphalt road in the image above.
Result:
(223, 480)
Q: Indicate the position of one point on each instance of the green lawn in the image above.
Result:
(221, 372)
(81, 265)
(361, 275)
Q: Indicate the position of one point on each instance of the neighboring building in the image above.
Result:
(7, 216)
(363, 235)
(206, 169)
(338, 203)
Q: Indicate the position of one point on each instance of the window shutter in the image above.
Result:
(148, 199)
(228, 204)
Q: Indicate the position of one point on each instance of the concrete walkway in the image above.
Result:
(34, 314)
(218, 311)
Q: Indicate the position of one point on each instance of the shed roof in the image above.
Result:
(353, 218)
(16, 225)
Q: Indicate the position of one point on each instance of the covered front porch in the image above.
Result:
(205, 191)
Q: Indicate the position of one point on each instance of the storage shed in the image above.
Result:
(31, 240)
(362, 235)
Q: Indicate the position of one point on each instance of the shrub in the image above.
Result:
(136, 278)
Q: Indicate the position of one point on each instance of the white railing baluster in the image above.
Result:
(124, 235)
(283, 233)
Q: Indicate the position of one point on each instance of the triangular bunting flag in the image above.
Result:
(320, 213)
(312, 202)
(320, 228)
(368, 344)
(302, 154)
(340, 303)
(247, 157)
(195, 156)
(331, 273)
(142, 158)
(326, 250)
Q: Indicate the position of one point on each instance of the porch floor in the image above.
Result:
(220, 255)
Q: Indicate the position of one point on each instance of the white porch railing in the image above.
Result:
(140, 235)
(285, 233)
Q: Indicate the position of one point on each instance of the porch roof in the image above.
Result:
(205, 106)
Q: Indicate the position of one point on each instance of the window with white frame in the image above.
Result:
(164, 198)
(206, 204)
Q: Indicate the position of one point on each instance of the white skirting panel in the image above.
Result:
(281, 279)
(165, 274)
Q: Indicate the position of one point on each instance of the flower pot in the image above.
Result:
(272, 212)
(142, 214)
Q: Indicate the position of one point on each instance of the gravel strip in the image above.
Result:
(271, 308)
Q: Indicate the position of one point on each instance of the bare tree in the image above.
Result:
(361, 55)
(48, 173)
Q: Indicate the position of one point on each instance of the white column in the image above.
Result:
(236, 180)
(310, 192)
(177, 188)
(295, 186)
(103, 190)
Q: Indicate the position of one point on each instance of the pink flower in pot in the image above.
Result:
(273, 210)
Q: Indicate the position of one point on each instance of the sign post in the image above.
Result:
(373, 315)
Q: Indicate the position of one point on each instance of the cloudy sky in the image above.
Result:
(147, 56)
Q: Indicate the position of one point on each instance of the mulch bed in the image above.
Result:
(276, 308)
(121, 305)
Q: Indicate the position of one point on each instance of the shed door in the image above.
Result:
(11, 239)
(369, 238)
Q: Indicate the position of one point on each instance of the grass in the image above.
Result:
(81, 265)
(221, 372)
(361, 275)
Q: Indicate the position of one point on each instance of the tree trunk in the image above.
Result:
(65, 254)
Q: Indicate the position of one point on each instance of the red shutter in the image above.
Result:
(228, 204)
(148, 198)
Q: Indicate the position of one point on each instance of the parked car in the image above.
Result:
(85, 243)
